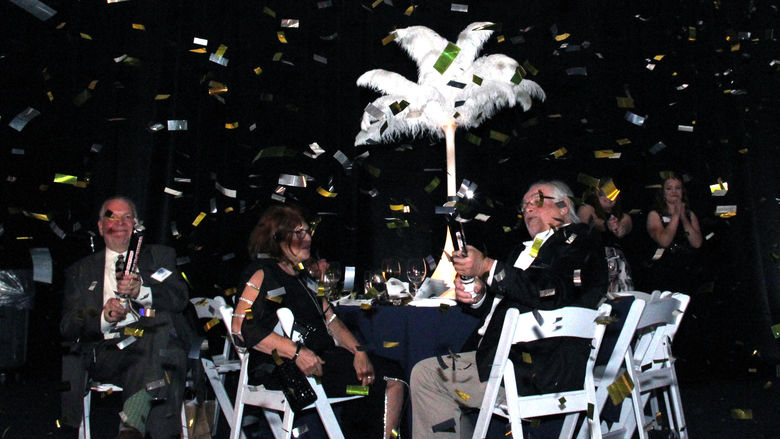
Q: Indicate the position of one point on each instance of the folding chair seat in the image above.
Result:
(84, 428)
(649, 364)
(564, 322)
(276, 408)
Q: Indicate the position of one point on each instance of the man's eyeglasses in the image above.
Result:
(117, 218)
(536, 200)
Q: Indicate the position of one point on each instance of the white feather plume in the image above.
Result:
(432, 99)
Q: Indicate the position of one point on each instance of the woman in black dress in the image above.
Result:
(279, 245)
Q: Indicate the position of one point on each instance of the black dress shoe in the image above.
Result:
(129, 433)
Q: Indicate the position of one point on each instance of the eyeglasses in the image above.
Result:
(301, 233)
(129, 218)
(537, 201)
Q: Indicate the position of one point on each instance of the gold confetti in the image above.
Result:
(65, 179)
(269, 11)
(326, 193)
(432, 185)
(199, 218)
(137, 26)
(277, 56)
(198, 50)
(620, 389)
(258, 70)
(388, 39)
(376, 3)
(659, 57)
(473, 139)
(623, 141)
(445, 59)
(211, 323)
(536, 246)
(390, 344)
(742, 414)
(499, 136)
(135, 332)
(530, 68)
(161, 97)
(625, 102)
(408, 12)
(560, 152)
(463, 395)
(527, 358)
(282, 38)
(776, 330)
(85, 36)
(231, 125)
(562, 37)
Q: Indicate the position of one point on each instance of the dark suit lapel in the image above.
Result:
(95, 275)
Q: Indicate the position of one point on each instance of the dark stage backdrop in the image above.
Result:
(195, 108)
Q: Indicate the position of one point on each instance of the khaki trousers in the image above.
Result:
(439, 395)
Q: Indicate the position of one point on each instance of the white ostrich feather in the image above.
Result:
(432, 99)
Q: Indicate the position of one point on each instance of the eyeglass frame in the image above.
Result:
(539, 202)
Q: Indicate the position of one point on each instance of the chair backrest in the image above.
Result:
(207, 308)
(657, 327)
(570, 321)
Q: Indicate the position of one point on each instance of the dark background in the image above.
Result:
(722, 52)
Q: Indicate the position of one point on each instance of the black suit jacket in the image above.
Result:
(569, 270)
(83, 305)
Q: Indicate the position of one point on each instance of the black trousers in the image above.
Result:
(155, 362)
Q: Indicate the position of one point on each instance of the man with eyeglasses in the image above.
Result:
(129, 325)
(562, 265)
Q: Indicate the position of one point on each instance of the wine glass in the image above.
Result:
(390, 268)
(330, 280)
(416, 269)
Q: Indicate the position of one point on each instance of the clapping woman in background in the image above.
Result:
(675, 229)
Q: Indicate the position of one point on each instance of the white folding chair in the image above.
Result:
(217, 366)
(276, 409)
(84, 430)
(563, 322)
(650, 366)
(606, 375)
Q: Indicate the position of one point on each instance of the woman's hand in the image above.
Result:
(309, 363)
(364, 370)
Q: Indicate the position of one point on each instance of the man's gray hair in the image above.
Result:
(130, 202)
(561, 193)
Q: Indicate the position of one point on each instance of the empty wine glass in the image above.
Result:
(416, 269)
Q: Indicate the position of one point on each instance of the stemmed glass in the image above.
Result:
(391, 268)
(330, 280)
(416, 269)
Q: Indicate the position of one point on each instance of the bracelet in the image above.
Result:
(245, 300)
(251, 285)
(330, 320)
(240, 316)
(297, 350)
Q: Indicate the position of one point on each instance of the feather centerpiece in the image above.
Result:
(443, 96)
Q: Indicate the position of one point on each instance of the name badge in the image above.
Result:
(161, 274)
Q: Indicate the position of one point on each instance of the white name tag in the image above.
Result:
(161, 274)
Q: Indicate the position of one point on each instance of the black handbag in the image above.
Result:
(295, 386)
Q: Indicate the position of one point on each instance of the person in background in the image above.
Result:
(675, 229)
(602, 209)
(279, 245)
(562, 265)
(130, 328)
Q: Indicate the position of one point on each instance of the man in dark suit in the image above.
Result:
(562, 265)
(130, 327)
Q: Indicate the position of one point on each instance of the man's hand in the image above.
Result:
(114, 311)
(461, 295)
(472, 264)
(128, 285)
